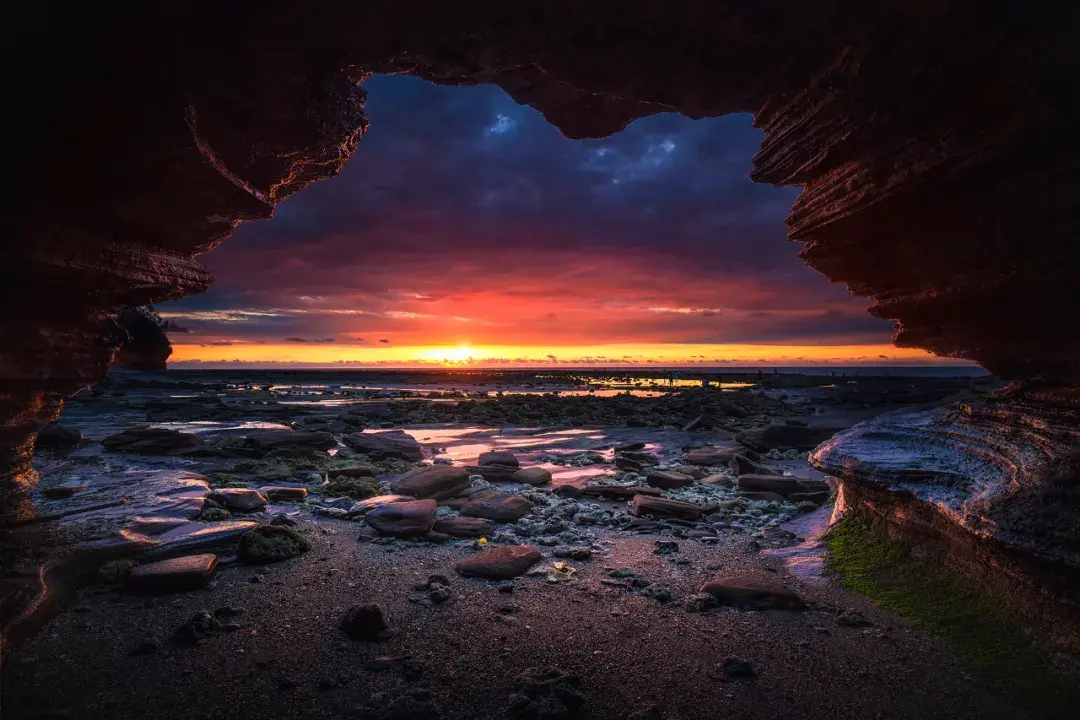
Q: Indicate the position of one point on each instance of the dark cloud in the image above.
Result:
(295, 339)
(465, 214)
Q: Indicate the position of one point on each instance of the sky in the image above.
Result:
(468, 231)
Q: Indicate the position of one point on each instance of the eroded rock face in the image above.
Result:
(147, 348)
(936, 151)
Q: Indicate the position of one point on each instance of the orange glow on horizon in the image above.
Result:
(532, 356)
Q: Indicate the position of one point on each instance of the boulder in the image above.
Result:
(58, 438)
(667, 480)
(709, 456)
(535, 475)
(150, 441)
(410, 518)
(464, 527)
(664, 508)
(238, 499)
(174, 575)
(752, 594)
(365, 506)
(498, 457)
(499, 563)
(382, 445)
(798, 437)
(438, 482)
(500, 507)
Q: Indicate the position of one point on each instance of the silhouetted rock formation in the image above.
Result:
(935, 143)
(148, 348)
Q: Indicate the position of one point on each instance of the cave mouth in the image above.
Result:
(935, 148)
(468, 230)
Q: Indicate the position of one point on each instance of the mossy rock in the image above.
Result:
(214, 514)
(115, 572)
(279, 468)
(358, 488)
(271, 543)
(224, 479)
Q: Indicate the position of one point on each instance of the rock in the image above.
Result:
(694, 472)
(416, 704)
(798, 437)
(568, 490)
(438, 482)
(214, 514)
(761, 495)
(701, 602)
(238, 499)
(269, 440)
(274, 492)
(751, 594)
(659, 592)
(499, 507)
(382, 445)
(642, 458)
(493, 473)
(701, 422)
(545, 694)
(284, 519)
(352, 472)
(665, 547)
(665, 508)
(852, 618)
(201, 626)
(742, 465)
(814, 498)
(629, 447)
(667, 480)
(356, 488)
(411, 518)
(723, 480)
(737, 668)
(464, 527)
(116, 571)
(271, 543)
(499, 563)
(627, 465)
(532, 476)
(175, 575)
(709, 456)
(364, 506)
(147, 346)
(497, 457)
(573, 553)
(619, 492)
(366, 622)
(62, 492)
(641, 525)
(150, 441)
(58, 438)
(781, 485)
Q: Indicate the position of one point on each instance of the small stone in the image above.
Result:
(238, 499)
(701, 602)
(667, 480)
(659, 592)
(497, 457)
(573, 553)
(852, 618)
(464, 527)
(366, 622)
(199, 627)
(665, 547)
(532, 476)
(751, 594)
(273, 492)
(116, 571)
(665, 508)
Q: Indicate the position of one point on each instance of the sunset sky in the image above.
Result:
(467, 229)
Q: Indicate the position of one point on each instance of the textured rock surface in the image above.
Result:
(499, 563)
(935, 147)
(410, 518)
(147, 347)
(437, 481)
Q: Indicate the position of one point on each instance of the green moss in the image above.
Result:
(271, 543)
(980, 629)
(358, 488)
(115, 571)
(224, 479)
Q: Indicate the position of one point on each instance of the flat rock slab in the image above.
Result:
(438, 482)
(667, 480)
(499, 563)
(390, 444)
(643, 458)
(175, 575)
(752, 594)
(709, 456)
(239, 499)
(365, 506)
(411, 518)
(276, 492)
(151, 441)
(493, 473)
(464, 527)
(532, 476)
(781, 485)
(272, 439)
(664, 508)
(498, 457)
(499, 507)
(620, 492)
(742, 465)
